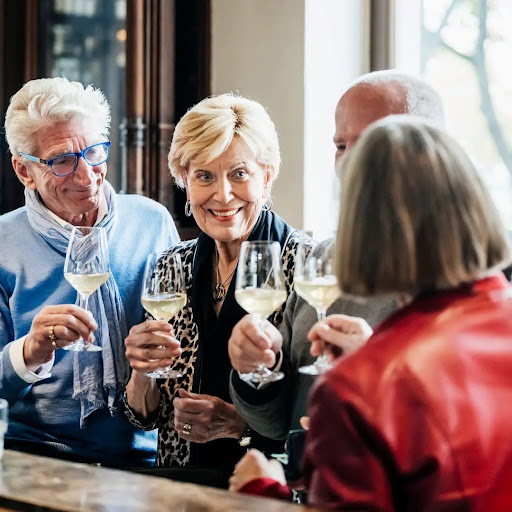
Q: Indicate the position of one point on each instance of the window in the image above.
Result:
(462, 48)
(84, 40)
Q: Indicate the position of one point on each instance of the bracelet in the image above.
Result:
(246, 437)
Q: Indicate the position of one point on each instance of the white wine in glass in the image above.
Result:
(260, 290)
(316, 283)
(86, 268)
(163, 295)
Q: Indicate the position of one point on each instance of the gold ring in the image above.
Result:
(187, 429)
(52, 338)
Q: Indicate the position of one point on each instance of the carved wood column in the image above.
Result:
(149, 121)
(166, 108)
(134, 129)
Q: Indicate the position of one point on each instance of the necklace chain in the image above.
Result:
(219, 292)
(227, 279)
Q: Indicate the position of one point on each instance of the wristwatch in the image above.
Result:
(246, 437)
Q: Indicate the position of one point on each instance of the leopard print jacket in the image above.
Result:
(172, 449)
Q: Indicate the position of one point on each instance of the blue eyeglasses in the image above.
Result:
(63, 165)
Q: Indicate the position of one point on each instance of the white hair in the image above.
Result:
(422, 99)
(47, 101)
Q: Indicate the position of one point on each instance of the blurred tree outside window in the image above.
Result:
(465, 54)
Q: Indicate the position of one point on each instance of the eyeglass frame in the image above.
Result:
(78, 155)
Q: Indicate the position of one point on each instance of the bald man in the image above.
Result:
(275, 409)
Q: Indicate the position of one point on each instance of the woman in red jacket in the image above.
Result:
(418, 419)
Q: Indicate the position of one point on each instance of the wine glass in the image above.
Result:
(163, 295)
(86, 269)
(260, 290)
(4, 419)
(316, 283)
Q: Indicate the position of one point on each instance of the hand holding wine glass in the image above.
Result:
(260, 290)
(86, 268)
(316, 283)
(163, 295)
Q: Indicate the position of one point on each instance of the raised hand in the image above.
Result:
(55, 327)
(338, 335)
(150, 345)
(251, 344)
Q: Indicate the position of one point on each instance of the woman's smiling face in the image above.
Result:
(226, 194)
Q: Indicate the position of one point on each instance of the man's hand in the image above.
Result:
(66, 322)
(338, 335)
(202, 418)
(252, 343)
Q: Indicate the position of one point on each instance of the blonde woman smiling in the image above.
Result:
(225, 153)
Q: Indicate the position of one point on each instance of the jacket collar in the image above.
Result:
(440, 299)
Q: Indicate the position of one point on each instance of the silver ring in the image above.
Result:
(187, 429)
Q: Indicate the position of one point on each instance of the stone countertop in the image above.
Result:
(33, 483)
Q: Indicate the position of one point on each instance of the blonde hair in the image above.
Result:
(415, 215)
(208, 128)
(47, 101)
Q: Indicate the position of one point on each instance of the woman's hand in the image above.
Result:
(150, 345)
(66, 322)
(252, 343)
(202, 418)
(338, 335)
(255, 465)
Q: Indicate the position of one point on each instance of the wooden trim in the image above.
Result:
(206, 49)
(166, 113)
(32, 39)
(134, 127)
(382, 32)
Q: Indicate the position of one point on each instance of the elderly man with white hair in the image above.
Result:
(62, 403)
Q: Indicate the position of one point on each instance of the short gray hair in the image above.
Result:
(208, 128)
(47, 101)
(422, 99)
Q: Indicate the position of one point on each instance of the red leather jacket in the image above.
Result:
(420, 419)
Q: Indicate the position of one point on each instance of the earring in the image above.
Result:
(267, 205)
(188, 211)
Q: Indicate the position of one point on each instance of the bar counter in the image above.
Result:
(33, 483)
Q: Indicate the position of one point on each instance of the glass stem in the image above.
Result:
(321, 314)
(84, 301)
(262, 367)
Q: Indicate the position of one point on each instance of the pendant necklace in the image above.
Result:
(219, 292)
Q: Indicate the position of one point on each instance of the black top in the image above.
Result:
(212, 368)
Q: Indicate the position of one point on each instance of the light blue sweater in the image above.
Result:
(31, 277)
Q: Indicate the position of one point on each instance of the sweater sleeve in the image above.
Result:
(268, 410)
(11, 384)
